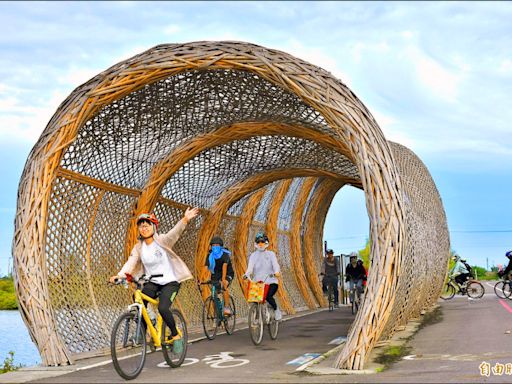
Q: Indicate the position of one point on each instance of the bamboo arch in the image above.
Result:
(213, 124)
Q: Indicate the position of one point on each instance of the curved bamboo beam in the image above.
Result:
(241, 235)
(271, 229)
(164, 169)
(314, 224)
(235, 193)
(296, 242)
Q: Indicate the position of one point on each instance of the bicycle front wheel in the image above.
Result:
(230, 320)
(499, 289)
(507, 289)
(128, 345)
(175, 353)
(448, 292)
(255, 323)
(355, 304)
(210, 323)
(330, 297)
(475, 290)
(273, 326)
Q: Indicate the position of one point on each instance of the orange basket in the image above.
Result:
(257, 292)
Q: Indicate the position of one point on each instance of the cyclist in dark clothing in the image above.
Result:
(507, 273)
(218, 263)
(355, 274)
(331, 272)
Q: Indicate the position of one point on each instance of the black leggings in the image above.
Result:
(270, 295)
(167, 293)
(461, 279)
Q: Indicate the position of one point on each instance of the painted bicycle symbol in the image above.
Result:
(224, 360)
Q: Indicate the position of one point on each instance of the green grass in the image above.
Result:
(392, 354)
(7, 294)
(432, 317)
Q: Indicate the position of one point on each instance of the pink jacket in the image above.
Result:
(134, 266)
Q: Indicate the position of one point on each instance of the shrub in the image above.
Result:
(9, 364)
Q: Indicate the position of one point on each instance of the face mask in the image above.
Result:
(216, 249)
(261, 247)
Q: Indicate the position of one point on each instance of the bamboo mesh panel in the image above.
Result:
(208, 124)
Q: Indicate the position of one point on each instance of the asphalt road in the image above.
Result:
(451, 347)
(245, 362)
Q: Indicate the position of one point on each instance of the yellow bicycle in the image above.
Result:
(128, 344)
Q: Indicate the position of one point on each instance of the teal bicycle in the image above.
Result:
(213, 311)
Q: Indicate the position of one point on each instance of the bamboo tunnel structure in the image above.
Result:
(254, 137)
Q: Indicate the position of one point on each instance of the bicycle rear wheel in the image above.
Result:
(128, 345)
(255, 323)
(175, 353)
(273, 325)
(210, 323)
(230, 320)
(448, 292)
(475, 290)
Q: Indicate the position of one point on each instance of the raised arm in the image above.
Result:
(171, 237)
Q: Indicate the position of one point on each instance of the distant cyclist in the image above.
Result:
(355, 274)
(331, 272)
(459, 271)
(262, 264)
(218, 264)
(153, 255)
(507, 273)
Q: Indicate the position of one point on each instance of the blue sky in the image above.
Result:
(437, 76)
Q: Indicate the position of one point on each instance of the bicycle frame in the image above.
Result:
(156, 334)
(219, 310)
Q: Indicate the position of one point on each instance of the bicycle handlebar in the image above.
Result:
(129, 278)
(245, 277)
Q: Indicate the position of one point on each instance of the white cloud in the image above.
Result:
(171, 29)
(20, 120)
(77, 76)
(434, 77)
(317, 56)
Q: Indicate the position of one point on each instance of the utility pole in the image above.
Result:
(487, 260)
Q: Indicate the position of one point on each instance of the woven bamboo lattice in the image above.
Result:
(258, 140)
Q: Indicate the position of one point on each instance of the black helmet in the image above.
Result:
(509, 254)
(217, 240)
(260, 236)
(330, 251)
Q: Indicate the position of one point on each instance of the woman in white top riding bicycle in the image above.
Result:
(153, 255)
(263, 266)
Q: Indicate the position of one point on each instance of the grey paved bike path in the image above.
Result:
(468, 333)
(450, 349)
(264, 363)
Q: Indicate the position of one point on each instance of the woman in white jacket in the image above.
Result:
(263, 266)
(153, 255)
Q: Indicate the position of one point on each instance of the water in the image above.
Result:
(15, 337)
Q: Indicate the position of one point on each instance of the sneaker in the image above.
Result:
(227, 311)
(171, 339)
(278, 315)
